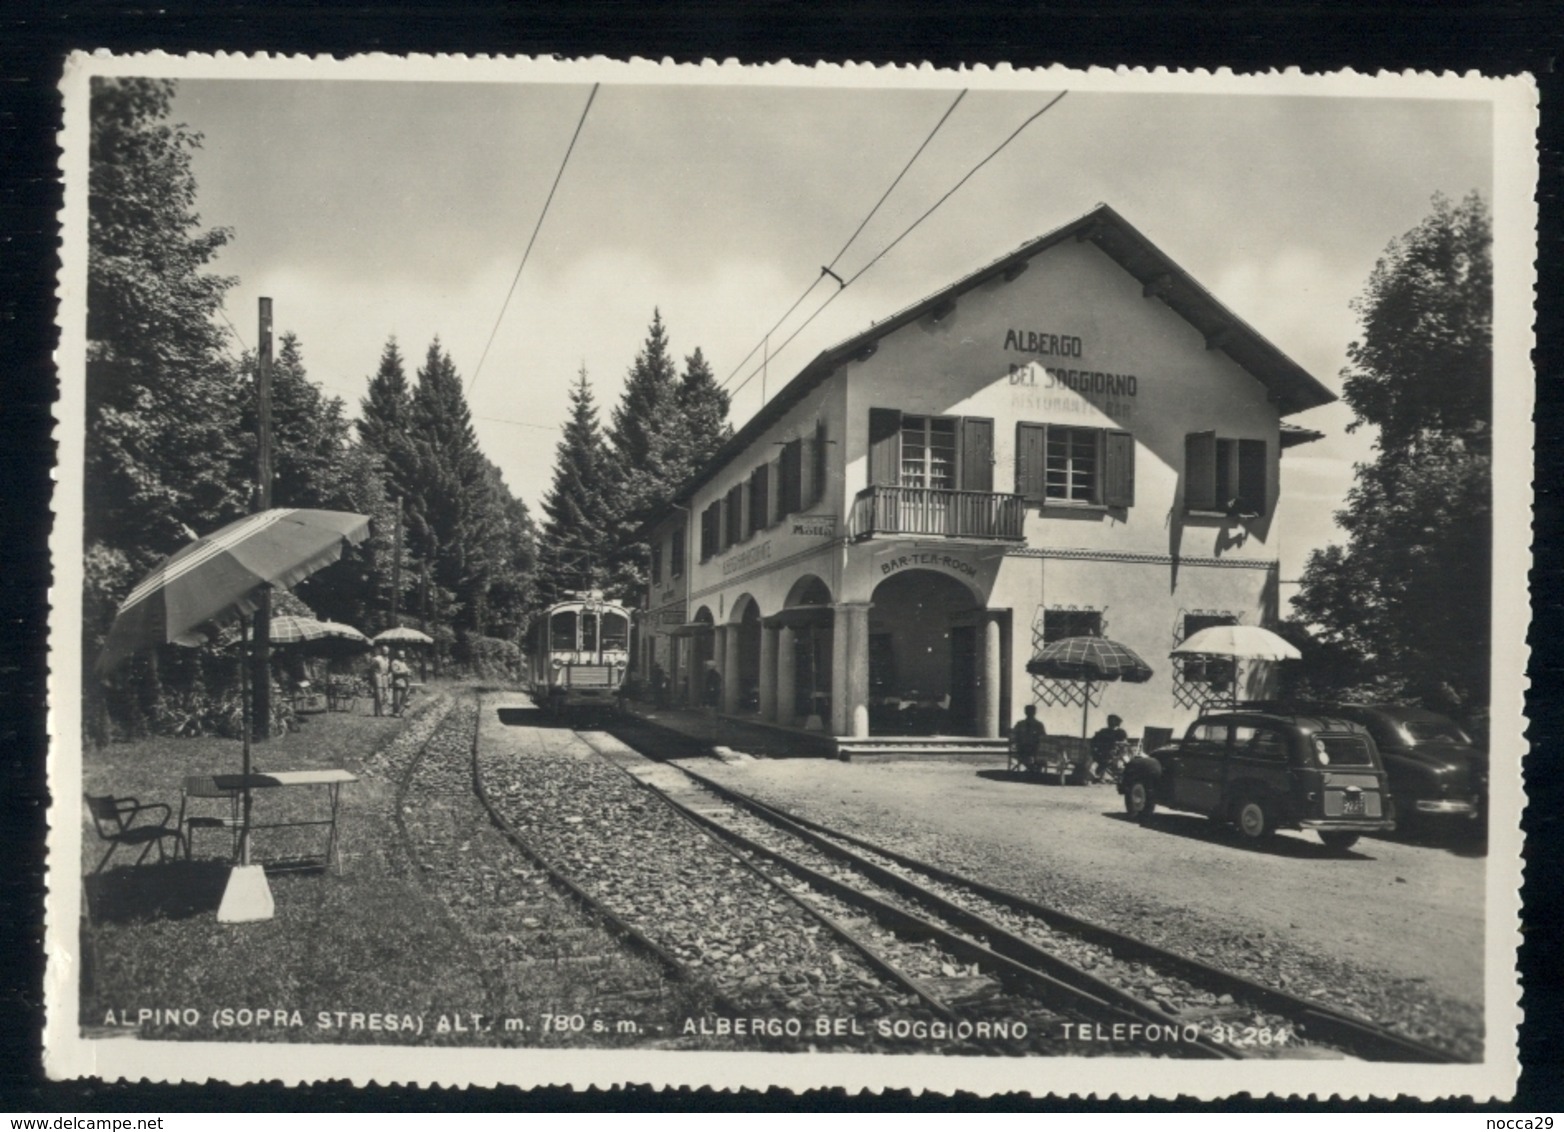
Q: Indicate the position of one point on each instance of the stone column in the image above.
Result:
(730, 669)
(850, 671)
(787, 676)
(988, 666)
(768, 673)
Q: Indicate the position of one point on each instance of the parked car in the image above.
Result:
(1435, 770)
(1265, 770)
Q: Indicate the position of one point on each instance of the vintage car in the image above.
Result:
(1265, 770)
(1435, 770)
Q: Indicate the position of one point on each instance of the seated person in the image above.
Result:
(1026, 738)
(1103, 744)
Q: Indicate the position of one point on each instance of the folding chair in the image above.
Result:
(204, 786)
(115, 820)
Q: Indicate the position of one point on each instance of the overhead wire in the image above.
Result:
(827, 270)
(536, 229)
(905, 233)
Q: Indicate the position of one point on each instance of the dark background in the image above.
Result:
(1491, 38)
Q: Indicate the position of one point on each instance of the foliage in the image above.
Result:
(577, 530)
(1402, 609)
(489, 658)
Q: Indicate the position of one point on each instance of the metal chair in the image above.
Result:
(115, 818)
(204, 786)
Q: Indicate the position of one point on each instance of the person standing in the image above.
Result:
(1026, 738)
(380, 677)
(401, 683)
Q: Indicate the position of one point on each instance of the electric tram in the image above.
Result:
(580, 653)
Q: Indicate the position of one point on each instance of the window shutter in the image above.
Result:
(818, 466)
(657, 564)
(977, 454)
(1119, 470)
(711, 518)
(884, 446)
(759, 505)
(791, 490)
(774, 510)
(1031, 460)
(676, 553)
(1200, 471)
(735, 510)
(1253, 466)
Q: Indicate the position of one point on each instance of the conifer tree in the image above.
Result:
(387, 407)
(703, 411)
(649, 404)
(577, 531)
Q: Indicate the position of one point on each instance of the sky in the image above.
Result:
(366, 209)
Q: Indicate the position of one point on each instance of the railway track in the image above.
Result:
(1021, 948)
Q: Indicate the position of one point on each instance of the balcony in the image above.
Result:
(984, 516)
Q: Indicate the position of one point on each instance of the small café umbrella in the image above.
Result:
(215, 579)
(1242, 642)
(1092, 660)
(403, 636)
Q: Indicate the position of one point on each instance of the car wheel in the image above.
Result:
(1337, 841)
(1252, 820)
(1138, 802)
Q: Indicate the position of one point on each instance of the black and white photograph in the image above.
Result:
(603, 572)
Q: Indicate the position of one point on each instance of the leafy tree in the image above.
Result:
(1404, 603)
(577, 531)
(1425, 361)
(161, 403)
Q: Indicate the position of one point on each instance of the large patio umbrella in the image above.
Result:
(194, 591)
(1092, 660)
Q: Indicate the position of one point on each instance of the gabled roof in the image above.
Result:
(1289, 384)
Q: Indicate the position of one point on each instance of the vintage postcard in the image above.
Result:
(610, 572)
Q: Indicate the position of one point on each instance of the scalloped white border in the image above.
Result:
(67, 1054)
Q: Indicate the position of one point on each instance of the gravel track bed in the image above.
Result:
(1157, 988)
(534, 950)
(1400, 1005)
(757, 948)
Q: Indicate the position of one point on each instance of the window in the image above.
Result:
(1058, 464)
(1061, 623)
(711, 530)
(941, 453)
(759, 504)
(676, 553)
(1214, 733)
(1226, 476)
(928, 452)
(657, 563)
(562, 628)
(733, 514)
(1269, 744)
(818, 465)
(1216, 671)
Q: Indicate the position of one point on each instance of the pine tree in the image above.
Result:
(577, 531)
(647, 407)
(703, 411)
(386, 409)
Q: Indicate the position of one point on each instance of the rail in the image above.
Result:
(886, 509)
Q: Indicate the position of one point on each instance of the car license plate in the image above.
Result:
(1352, 804)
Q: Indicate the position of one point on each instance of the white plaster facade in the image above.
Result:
(1173, 382)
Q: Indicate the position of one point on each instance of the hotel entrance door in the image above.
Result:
(963, 679)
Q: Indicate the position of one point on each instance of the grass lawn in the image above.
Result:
(385, 941)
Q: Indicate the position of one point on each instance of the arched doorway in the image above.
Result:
(804, 631)
(925, 656)
(702, 656)
(744, 623)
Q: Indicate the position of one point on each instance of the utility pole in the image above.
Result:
(260, 678)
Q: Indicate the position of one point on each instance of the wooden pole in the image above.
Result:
(260, 677)
(244, 697)
(396, 565)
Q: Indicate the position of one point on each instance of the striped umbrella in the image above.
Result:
(403, 636)
(1092, 660)
(338, 630)
(289, 629)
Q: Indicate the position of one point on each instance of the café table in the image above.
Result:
(231, 788)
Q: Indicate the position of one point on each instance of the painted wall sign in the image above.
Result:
(751, 557)
(1035, 376)
(815, 526)
(674, 616)
(1043, 344)
(923, 561)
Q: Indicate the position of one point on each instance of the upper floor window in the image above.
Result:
(1062, 464)
(733, 511)
(939, 453)
(657, 563)
(711, 530)
(1227, 476)
(759, 498)
(676, 553)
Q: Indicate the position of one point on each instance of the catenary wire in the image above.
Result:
(862, 224)
(536, 229)
(905, 233)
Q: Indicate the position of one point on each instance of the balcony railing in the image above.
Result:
(890, 510)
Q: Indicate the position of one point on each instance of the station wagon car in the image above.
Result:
(1263, 771)
(1435, 770)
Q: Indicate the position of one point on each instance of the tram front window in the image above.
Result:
(616, 633)
(589, 632)
(562, 632)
